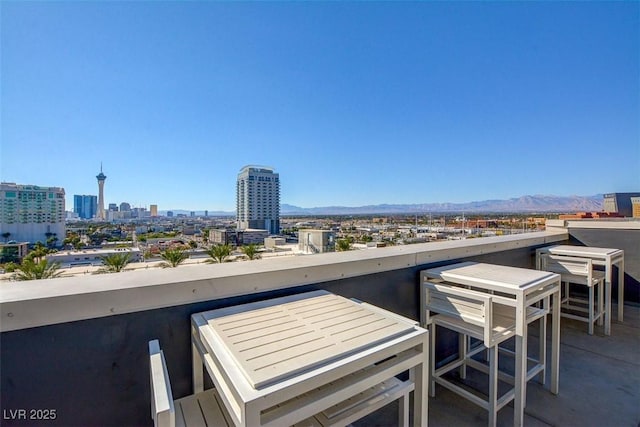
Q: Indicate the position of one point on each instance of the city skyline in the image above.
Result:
(392, 103)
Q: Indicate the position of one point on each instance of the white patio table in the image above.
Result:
(607, 257)
(524, 287)
(281, 361)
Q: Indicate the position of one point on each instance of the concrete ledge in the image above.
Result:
(603, 224)
(46, 302)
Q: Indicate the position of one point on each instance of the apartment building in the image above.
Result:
(258, 199)
(30, 213)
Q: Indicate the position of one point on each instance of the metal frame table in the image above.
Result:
(607, 257)
(281, 361)
(523, 287)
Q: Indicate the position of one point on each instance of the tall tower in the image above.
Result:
(101, 178)
(258, 199)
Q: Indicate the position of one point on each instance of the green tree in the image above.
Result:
(193, 244)
(32, 270)
(51, 241)
(9, 254)
(10, 267)
(5, 236)
(343, 245)
(38, 252)
(173, 257)
(218, 253)
(251, 251)
(115, 263)
(366, 238)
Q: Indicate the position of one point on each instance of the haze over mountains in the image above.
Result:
(528, 204)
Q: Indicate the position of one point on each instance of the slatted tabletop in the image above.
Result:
(584, 251)
(501, 278)
(273, 343)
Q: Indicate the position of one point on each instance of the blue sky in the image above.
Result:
(352, 103)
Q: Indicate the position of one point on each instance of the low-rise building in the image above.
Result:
(13, 252)
(272, 242)
(237, 237)
(316, 241)
(91, 256)
(620, 203)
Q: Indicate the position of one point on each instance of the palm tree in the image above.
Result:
(251, 251)
(32, 270)
(38, 252)
(173, 257)
(219, 253)
(115, 263)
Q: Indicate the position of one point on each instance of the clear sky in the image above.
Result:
(353, 103)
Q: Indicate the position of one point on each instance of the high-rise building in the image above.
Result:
(125, 207)
(30, 213)
(258, 199)
(101, 178)
(154, 210)
(86, 206)
(113, 207)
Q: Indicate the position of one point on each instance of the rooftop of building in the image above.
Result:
(256, 168)
(64, 338)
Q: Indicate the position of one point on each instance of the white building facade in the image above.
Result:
(258, 199)
(30, 213)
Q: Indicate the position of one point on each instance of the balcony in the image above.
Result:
(79, 345)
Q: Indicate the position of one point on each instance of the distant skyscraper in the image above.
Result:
(258, 199)
(101, 178)
(154, 210)
(113, 207)
(30, 213)
(125, 207)
(85, 206)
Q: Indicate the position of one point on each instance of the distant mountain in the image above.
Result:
(537, 203)
(197, 213)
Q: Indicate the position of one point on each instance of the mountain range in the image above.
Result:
(530, 204)
(537, 203)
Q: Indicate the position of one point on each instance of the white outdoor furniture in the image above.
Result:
(469, 313)
(197, 410)
(607, 257)
(310, 358)
(578, 271)
(207, 408)
(518, 289)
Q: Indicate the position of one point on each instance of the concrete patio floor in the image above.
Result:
(599, 384)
